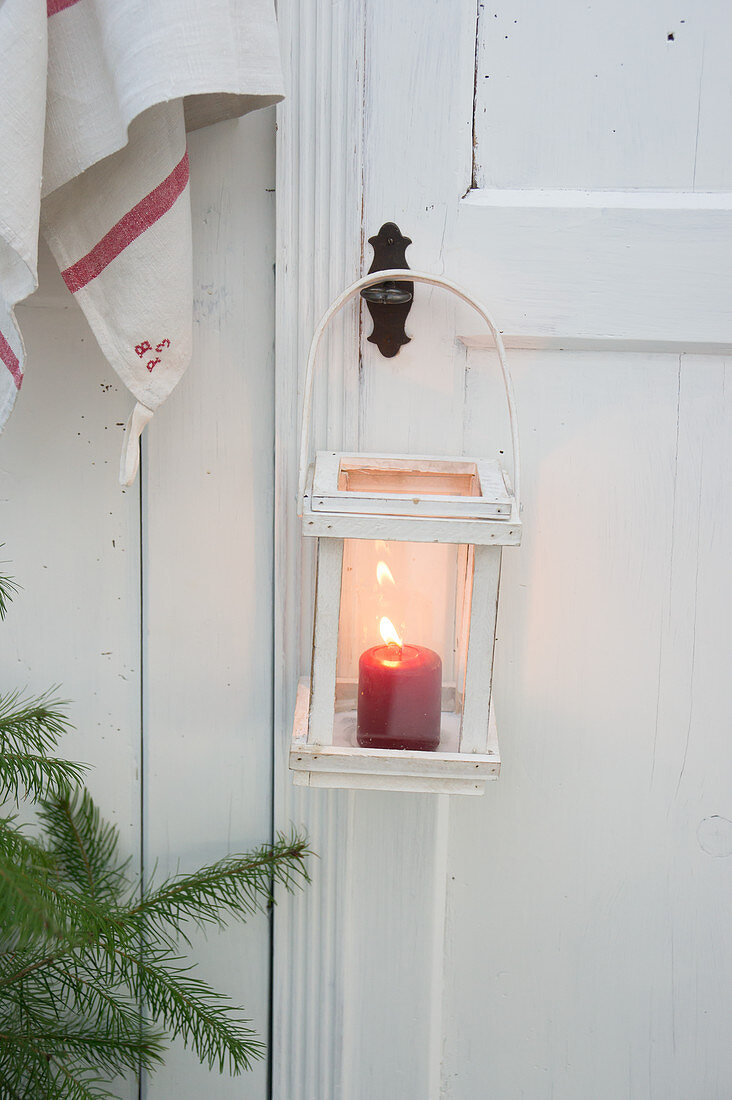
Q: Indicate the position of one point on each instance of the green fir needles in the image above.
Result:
(93, 981)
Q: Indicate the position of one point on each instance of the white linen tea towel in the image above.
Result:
(96, 98)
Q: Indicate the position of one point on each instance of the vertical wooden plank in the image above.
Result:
(319, 240)
(479, 669)
(613, 743)
(325, 641)
(72, 539)
(416, 166)
(394, 945)
(463, 598)
(689, 784)
(207, 524)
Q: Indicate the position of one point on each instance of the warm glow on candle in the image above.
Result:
(389, 634)
(383, 573)
(399, 686)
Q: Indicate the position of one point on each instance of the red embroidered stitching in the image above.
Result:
(146, 346)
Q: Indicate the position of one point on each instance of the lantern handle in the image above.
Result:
(402, 275)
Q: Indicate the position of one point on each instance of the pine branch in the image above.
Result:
(84, 990)
(31, 725)
(84, 845)
(8, 589)
(67, 1042)
(74, 987)
(15, 844)
(191, 1009)
(37, 909)
(70, 922)
(69, 1087)
(26, 775)
(45, 923)
(38, 1078)
(36, 1019)
(6, 1088)
(81, 956)
(237, 886)
(104, 958)
(27, 909)
(23, 963)
(17, 1080)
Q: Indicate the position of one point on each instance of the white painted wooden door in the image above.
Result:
(567, 935)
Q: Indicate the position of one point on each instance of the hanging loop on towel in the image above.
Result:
(139, 417)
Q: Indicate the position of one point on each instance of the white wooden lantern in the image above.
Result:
(408, 567)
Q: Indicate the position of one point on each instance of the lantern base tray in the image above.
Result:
(346, 764)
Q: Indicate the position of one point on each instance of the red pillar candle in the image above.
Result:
(399, 697)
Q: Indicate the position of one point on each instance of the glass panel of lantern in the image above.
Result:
(402, 645)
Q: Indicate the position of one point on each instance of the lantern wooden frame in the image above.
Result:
(344, 495)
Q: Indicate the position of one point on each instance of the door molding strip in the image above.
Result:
(319, 250)
(530, 342)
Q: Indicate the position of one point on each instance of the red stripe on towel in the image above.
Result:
(10, 359)
(53, 6)
(129, 228)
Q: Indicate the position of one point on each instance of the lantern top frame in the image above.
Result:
(489, 518)
(410, 485)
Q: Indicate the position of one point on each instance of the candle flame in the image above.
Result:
(384, 574)
(389, 634)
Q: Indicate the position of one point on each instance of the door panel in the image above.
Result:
(603, 96)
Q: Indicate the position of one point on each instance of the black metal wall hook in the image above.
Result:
(389, 302)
